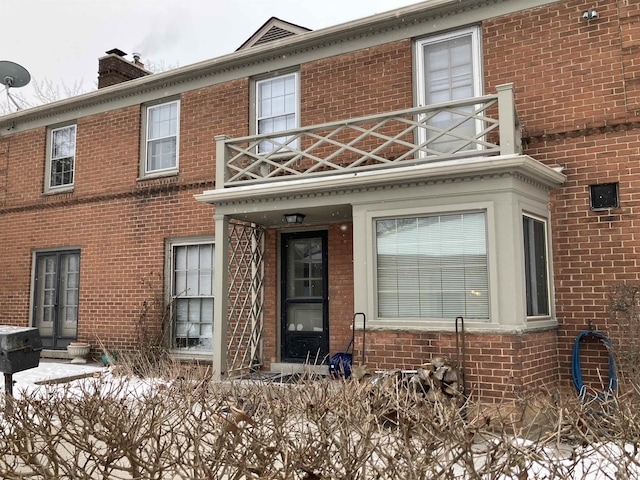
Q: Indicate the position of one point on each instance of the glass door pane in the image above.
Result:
(304, 297)
(56, 297)
(68, 294)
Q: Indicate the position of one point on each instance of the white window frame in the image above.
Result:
(50, 159)
(296, 111)
(145, 171)
(174, 296)
(477, 82)
(547, 273)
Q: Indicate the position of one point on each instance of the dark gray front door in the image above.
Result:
(305, 302)
(55, 303)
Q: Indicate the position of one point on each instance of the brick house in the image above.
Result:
(448, 159)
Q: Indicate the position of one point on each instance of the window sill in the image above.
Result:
(186, 356)
(158, 180)
(57, 191)
(155, 176)
(449, 326)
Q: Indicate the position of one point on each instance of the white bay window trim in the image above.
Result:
(504, 200)
(365, 217)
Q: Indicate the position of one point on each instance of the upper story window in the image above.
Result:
(277, 109)
(449, 69)
(536, 266)
(432, 266)
(61, 154)
(161, 142)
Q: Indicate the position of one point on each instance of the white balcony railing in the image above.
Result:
(480, 126)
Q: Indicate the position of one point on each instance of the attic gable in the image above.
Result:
(273, 29)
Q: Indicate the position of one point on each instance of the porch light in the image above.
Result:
(294, 218)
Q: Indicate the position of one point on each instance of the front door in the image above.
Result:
(305, 300)
(55, 305)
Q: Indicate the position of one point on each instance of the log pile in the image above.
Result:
(440, 378)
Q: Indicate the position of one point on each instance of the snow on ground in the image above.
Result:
(73, 379)
(51, 371)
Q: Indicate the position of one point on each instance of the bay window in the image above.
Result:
(432, 267)
(535, 266)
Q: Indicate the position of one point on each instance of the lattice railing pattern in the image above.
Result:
(246, 296)
(471, 127)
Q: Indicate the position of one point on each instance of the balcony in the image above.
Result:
(476, 127)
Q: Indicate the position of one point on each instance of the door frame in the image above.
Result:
(284, 301)
(56, 340)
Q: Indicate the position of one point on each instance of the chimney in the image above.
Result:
(114, 68)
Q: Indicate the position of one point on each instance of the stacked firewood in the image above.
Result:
(440, 378)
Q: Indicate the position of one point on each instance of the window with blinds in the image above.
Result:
(449, 70)
(192, 292)
(162, 137)
(277, 109)
(432, 267)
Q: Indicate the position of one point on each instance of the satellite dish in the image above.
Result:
(13, 75)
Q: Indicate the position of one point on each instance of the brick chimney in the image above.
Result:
(114, 68)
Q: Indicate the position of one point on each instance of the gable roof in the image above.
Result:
(272, 29)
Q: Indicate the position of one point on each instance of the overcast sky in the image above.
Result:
(61, 40)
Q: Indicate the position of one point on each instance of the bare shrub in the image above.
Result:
(184, 426)
(624, 311)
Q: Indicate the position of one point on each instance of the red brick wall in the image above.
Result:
(120, 224)
(366, 82)
(340, 285)
(205, 113)
(576, 94)
(23, 163)
(271, 320)
(496, 366)
(567, 71)
(122, 247)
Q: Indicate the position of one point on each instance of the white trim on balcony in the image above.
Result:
(467, 167)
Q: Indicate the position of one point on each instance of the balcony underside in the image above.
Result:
(329, 199)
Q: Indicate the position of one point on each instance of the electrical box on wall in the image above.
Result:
(604, 196)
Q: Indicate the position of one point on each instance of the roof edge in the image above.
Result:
(367, 26)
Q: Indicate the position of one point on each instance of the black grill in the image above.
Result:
(20, 348)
